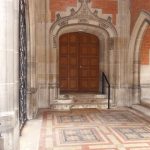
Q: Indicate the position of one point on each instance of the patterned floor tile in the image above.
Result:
(73, 118)
(116, 117)
(79, 136)
(95, 130)
(136, 133)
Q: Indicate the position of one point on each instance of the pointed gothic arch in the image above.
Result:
(139, 29)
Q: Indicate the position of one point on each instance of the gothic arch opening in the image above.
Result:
(134, 66)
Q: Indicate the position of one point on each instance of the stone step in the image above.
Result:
(142, 109)
(69, 101)
(80, 95)
(65, 105)
(77, 106)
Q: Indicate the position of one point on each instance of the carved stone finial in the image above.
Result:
(109, 19)
(58, 16)
(95, 13)
(72, 11)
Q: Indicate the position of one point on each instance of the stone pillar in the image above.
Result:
(9, 80)
(42, 46)
(32, 103)
(123, 25)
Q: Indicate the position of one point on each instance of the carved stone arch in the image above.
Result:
(139, 29)
(87, 21)
(101, 34)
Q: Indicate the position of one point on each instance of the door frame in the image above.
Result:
(106, 55)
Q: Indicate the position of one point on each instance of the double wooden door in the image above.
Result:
(79, 62)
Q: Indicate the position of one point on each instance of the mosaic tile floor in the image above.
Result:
(88, 129)
(93, 129)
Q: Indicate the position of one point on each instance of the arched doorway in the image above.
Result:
(77, 22)
(79, 62)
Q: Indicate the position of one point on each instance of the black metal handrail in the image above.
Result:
(104, 78)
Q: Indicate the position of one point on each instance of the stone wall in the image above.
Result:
(42, 26)
(9, 80)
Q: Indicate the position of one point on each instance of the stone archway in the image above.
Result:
(141, 25)
(88, 22)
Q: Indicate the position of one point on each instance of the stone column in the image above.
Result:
(32, 103)
(9, 81)
(123, 25)
(42, 46)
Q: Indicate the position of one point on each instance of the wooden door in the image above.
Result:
(79, 63)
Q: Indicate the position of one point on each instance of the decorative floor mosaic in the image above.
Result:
(93, 129)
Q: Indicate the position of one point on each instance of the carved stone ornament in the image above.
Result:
(84, 16)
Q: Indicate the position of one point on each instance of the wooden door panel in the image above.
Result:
(73, 73)
(83, 84)
(64, 50)
(83, 50)
(79, 62)
(73, 49)
(64, 60)
(63, 84)
(89, 63)
(73, 84)
(84, 73)
(68, 62)
(73, 38)
(84, 38)
(93, 73)
(84, 62)
(73, 61)
(63, 39)
(93, 50)
(94, 62)
(94, 39)
(93, 84)
(63, 72)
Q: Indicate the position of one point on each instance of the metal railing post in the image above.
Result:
(104, 78)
